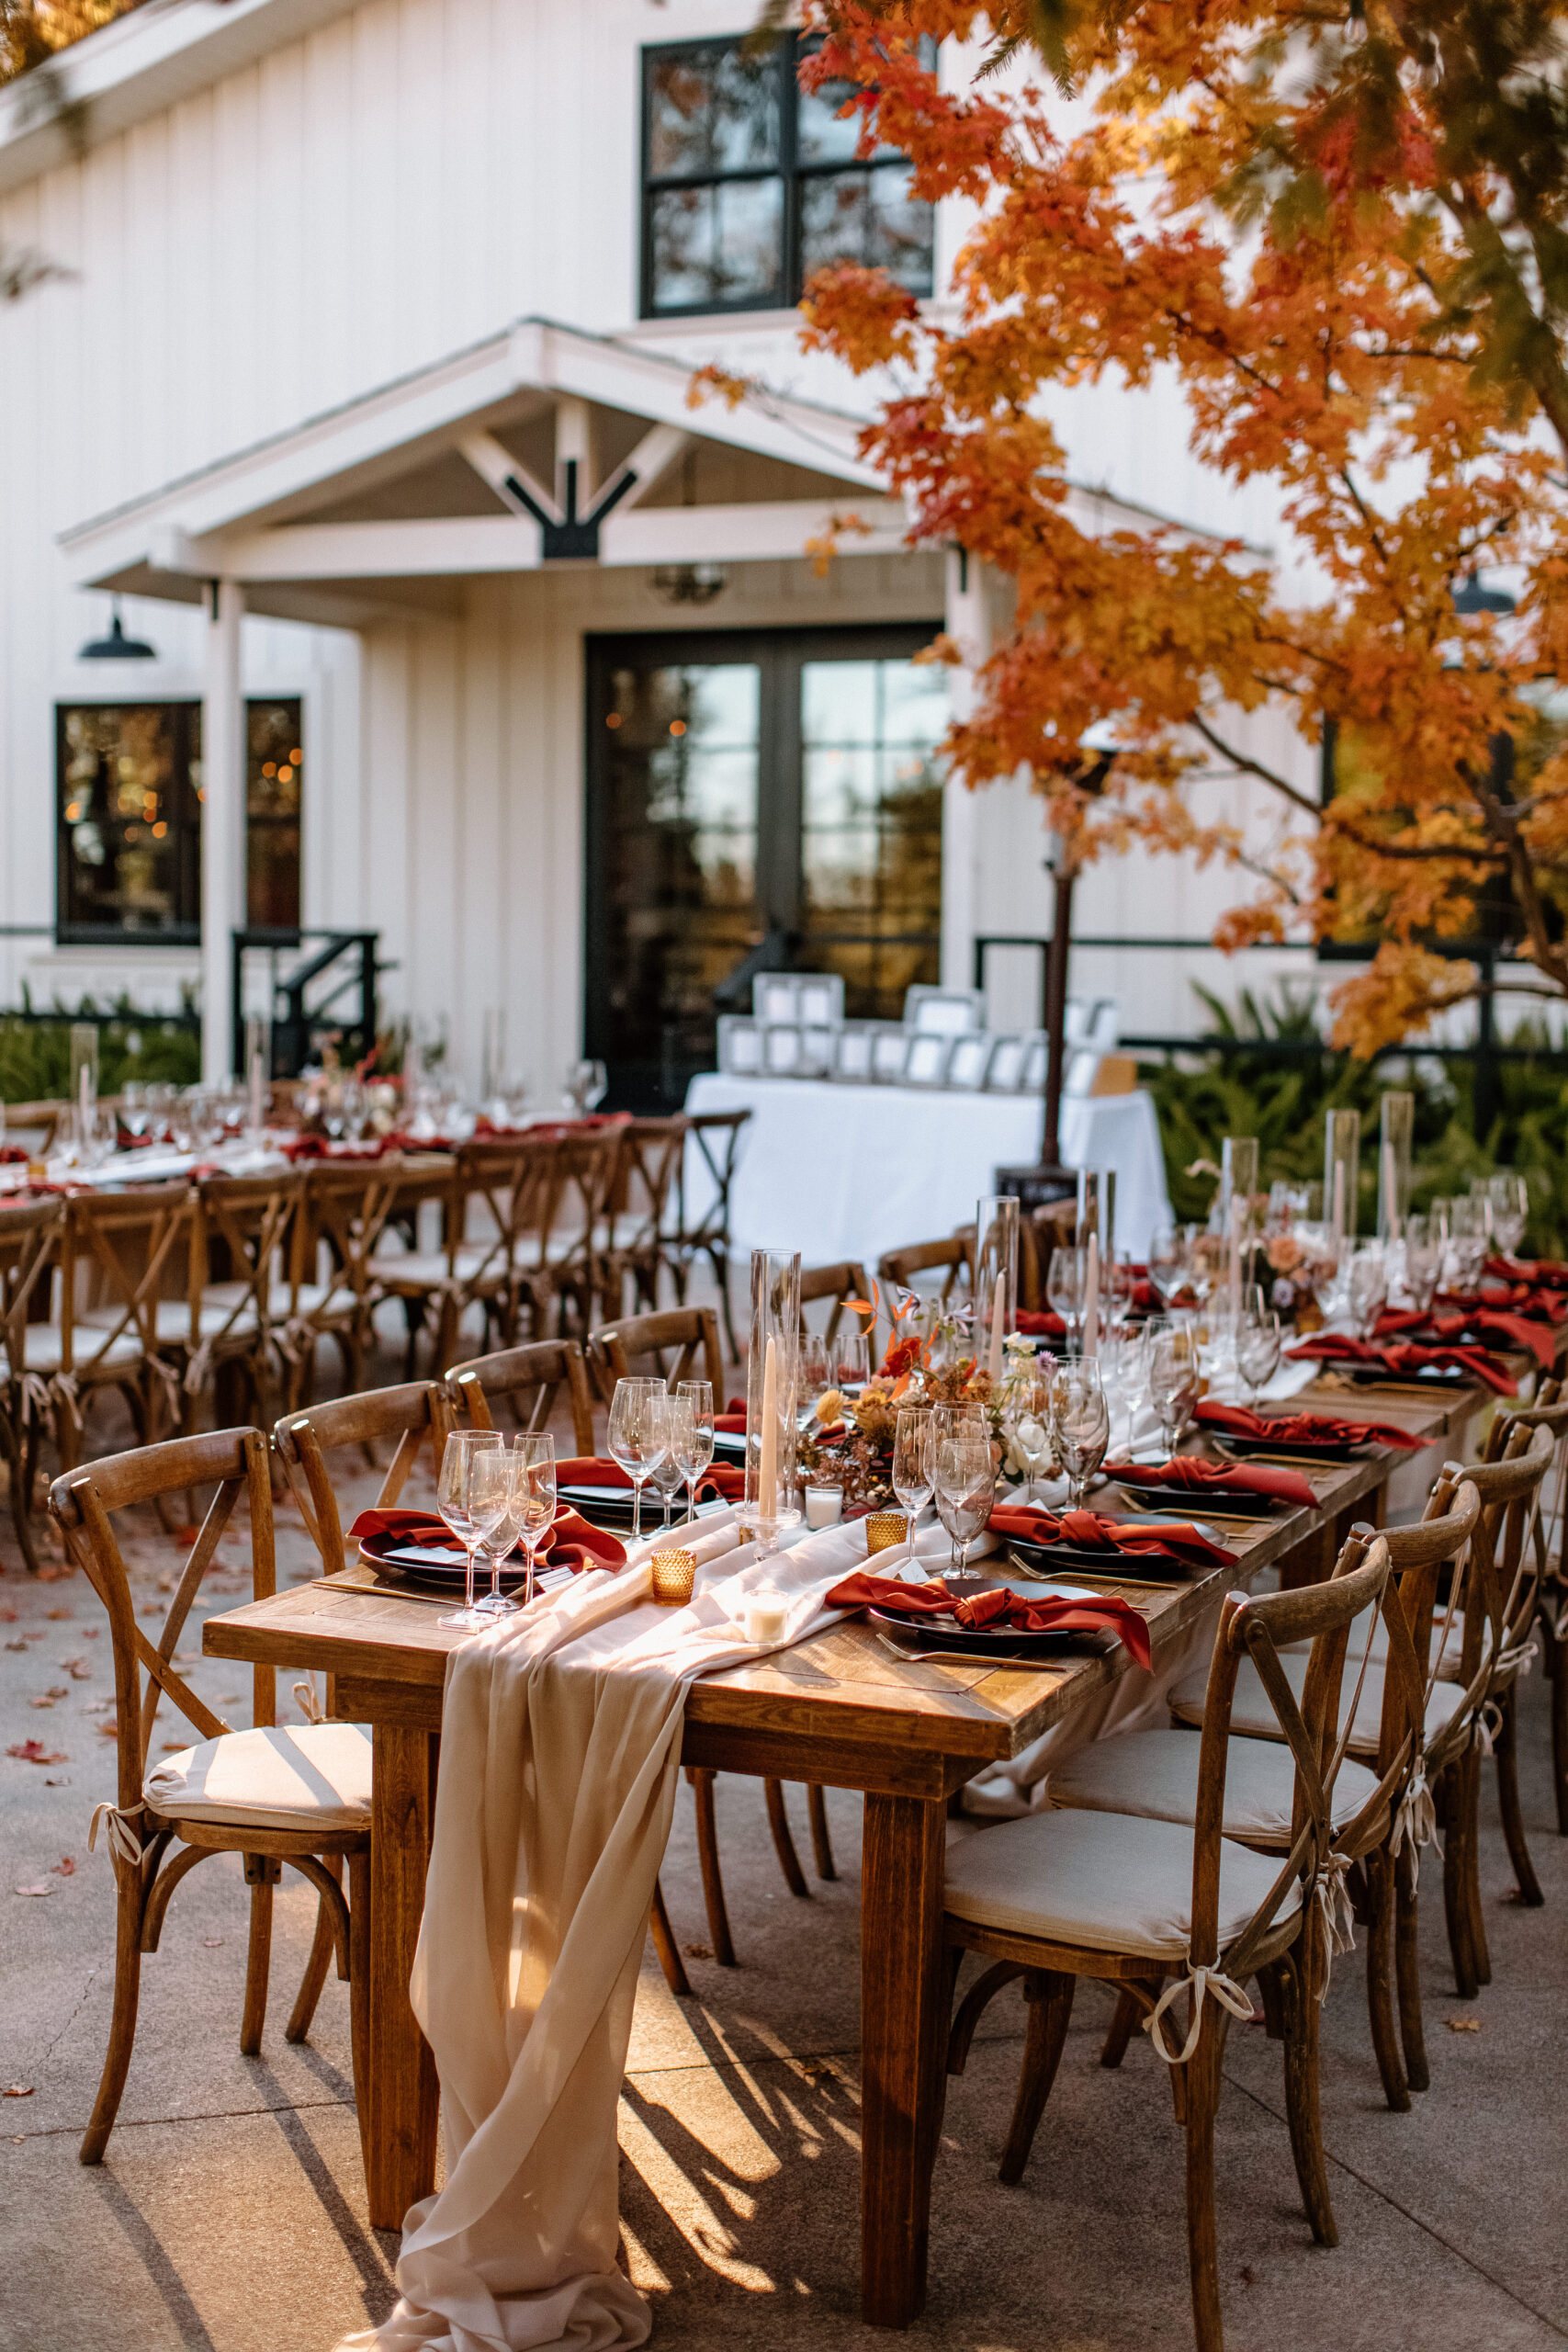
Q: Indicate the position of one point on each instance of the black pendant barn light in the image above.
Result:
(116, 646)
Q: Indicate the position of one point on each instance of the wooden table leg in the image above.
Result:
(902, 2038)
(402, 2086)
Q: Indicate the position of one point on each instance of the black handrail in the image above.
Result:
(296, 1025)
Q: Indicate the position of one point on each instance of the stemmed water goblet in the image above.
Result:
(492, 1508)
(1066, 1279)
(1173, 1377)
(1026, 1424)
(1423, 1258)
(667, 1476)
(586, 1084)
(1510, 1200)
(454, 1503)
(1081, 1419)
(815, 1377)
(1258, 1344)
(964, 1480)
(1366, 1287)
(851, 1360)
(690, 1434)
(914, 1466)
(640, 1424)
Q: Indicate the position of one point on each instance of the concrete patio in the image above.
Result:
(230, 2215)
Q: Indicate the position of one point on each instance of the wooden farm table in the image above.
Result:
(836, 1710)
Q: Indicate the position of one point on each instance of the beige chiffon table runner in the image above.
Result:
(561, 1742)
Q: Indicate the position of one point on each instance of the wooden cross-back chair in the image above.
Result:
(571, 1258)
(1135, 1902)
(953, 1257)
(645, 1176)
(1549, 1535)
(710, 1165)
(416, 1415)
(529, 1379)
(493, 1215)
(244, 1224)
(342, 1213)
(299, 1796)
(687, 1335)
(842, 1283)
(41, 1122)
(127, 1245)
(29, 1251)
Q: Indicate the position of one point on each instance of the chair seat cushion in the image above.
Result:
(1154, 1775)
(45, 1349)
(311, 1776)
(1252, 1711)
(312, 1298)
(1108, 1881)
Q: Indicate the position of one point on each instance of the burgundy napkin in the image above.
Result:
(1447, 1325)
(1552, 1271)
(1542, 1303)
(10, 1154)
(1405, 1359)
(1000, 1608)
(1305, 1429)
(1039, 1327)
(573, 1543)
(1187, 1470)
(1087, 1531)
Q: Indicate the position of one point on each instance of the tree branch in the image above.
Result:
(1255, 767)
(1412, 852)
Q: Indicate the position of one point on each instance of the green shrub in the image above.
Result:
(35, 1056)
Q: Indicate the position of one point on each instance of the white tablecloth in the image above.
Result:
(848, 1171)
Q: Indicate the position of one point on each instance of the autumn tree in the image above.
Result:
(1343, 228)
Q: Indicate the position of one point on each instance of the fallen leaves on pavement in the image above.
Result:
(33, 1751)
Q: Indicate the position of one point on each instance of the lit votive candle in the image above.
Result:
(675, 1575)
(824, 1506)
(884, 1529)
(765, 1615)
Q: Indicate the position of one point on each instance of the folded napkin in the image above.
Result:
(1087, 1531)
(11, 1154)
(1553, 1271)
(731, 1424)
(1039, 1327)
(573, 1545)
(1405, 1359)
(1186, 1470)
(1446, 1326)
(725, 1479)
(1305, 1429)
(590, 1470)
(1540, 1302)
(999, 1608)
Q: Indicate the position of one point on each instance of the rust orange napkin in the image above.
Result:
(1087, 1531)
(1305, 1429)
(573, 1545)
(1234, 1477)
(999, 1608)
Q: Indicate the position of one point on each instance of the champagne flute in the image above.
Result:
(965, 1479)
(693, 1435)
(452, 1502)
(638, 1436)
(1082, 1421)
(914, 1468)
(492, 1506)
(1066, 1279)
(534, 1505)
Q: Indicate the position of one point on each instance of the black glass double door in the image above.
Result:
(754, 800)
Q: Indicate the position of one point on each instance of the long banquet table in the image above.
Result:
(836, 1710)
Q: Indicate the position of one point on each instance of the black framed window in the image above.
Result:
(128, 789)
(750, 787)
(750, 184)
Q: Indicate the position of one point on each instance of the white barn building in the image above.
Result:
(364, 389)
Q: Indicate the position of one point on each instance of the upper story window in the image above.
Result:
(129, 792)
(750, 184)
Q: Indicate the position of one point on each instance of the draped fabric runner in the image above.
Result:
(999, 1609)
(573, 1545)
(1085, 1530)
(1325, 1430)
(1204, 1477)
(1335, 1347)
(560, 1748)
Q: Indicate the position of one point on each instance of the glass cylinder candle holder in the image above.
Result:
(1395, 1147)
(1238, 1182)
(84, 1079)
(772, 1383)
(1341, 1165)
(995, 1279)
(884, 1531)
(674, 1578)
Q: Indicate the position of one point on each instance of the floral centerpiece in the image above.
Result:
(849, 1443)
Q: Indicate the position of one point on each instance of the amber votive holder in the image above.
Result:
(675, 1577)
(886, 1530)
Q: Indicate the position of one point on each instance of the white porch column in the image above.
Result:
(222, 827)
(967, 623)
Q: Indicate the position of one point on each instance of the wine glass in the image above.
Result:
(1166, 1259)
(1065, 1279)
(492, 1506)
(815, 1375)
(667, 1474)
(1027, 1425)
(964, 1480)
(1467, 1243)
(135, 1109)
(1133, 1376)
(1257, 1345)
(1081, 1419)
(1366, 1287)
(638, 1440)
(1510, 1201)
(586, 1084)
(1173, 1378)
(914, 1468)
(1423, 1256)
(534, 1506)
(452, 1502)
(691, 1434)
(851, 1360)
